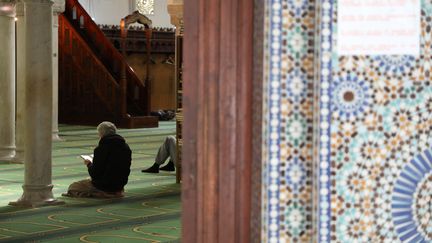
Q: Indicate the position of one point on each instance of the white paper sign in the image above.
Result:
(378, 27)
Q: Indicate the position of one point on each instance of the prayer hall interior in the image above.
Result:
(67, 67)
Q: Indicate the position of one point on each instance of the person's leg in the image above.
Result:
(170, 143)
(166, 150)
(83, 188)
(102, 194)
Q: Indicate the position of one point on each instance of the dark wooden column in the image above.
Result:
(217, 145)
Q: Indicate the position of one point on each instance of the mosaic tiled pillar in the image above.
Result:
(287, 113)
(375, 165)
(372, 159)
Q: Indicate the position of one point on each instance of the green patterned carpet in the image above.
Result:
(150, 211)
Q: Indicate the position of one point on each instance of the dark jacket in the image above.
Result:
(111, 164)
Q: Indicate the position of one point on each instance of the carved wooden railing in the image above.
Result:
(136, 98)
(86, 87)
(95, 81)
(162, 41)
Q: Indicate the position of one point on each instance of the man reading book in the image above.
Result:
(110, 168)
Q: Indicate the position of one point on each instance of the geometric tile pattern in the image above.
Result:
(324, 150)
(288, 127)
(411, 200)
(270, 150)
(370, 180)
(296, 104)
(375, 180)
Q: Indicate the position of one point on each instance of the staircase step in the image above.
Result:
(140, 122)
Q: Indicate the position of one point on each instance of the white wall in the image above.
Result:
(161, 17)
(111, 11)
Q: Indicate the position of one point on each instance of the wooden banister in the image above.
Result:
(137, 92)
(86, 86)
(95, 81)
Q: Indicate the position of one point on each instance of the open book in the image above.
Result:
(87, 157)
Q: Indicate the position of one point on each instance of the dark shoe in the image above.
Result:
(153, 169)
(168, 167)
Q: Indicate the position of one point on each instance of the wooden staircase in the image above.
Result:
(95, 81)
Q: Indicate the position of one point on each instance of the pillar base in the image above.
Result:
(56, 138)
(19, 157)
(7, 153)
(37, 196)
(30, 204)
(7, 158)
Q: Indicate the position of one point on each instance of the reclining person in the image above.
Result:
(166, 150)
(110, 168)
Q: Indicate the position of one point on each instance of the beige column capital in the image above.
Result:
(38, 1)
(175, 10)
(59, 7)
(19, 9)
(7, 8)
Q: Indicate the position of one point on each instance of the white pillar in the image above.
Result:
(38, 120)
(20, 105)
(7, 80)
(132, 6)
(58, 8)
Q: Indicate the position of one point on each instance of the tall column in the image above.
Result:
(132, 6)
(217, 106)
(20, 105)
(58, 8)
(175, 10)
(7, 80)
(38, 120)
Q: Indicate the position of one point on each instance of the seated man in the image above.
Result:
(110, 168)
(166, 150)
